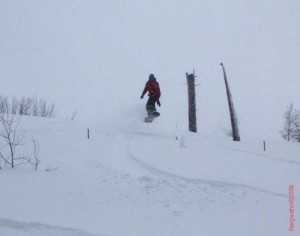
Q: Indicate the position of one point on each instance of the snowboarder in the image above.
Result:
(152, 87)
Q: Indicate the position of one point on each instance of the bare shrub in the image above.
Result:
(73, 115)
(35, 161)
(28, 106)
(182, 142)
(8, 131)
(291, 128)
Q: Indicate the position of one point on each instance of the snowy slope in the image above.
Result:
(132, 178)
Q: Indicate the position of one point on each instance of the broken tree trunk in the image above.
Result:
(233, 118)
(192, 102)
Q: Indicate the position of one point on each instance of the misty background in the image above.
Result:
(94, 57)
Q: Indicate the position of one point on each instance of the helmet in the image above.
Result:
(151, 77)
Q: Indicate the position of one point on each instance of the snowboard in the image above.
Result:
(152, 116)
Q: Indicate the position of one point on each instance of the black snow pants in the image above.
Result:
(150, 106)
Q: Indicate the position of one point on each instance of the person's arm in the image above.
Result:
(145, 91)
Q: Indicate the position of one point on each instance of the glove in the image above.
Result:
(142, 96)
(158, 103)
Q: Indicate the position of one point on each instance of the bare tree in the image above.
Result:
(11, 140)
(22, 104)
(296, 131)
(14, 106)
(8, 132)
(27, 106)
(288, 123)
(4, 104)
(46, 110)
(291, 128)
(35, 107)
(51, 110)
(43, 106)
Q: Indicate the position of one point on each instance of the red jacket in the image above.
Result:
(152, 87)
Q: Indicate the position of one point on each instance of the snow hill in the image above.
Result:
(135, 179)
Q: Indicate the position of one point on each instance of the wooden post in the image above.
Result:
(233, 118)
(192, 102)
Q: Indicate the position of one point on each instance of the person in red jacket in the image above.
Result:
(152, 87)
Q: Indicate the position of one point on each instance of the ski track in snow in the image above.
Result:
(264, 155)
(217, 184)
(229, 192)
(18, 228)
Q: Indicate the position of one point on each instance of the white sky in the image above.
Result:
(77, 53)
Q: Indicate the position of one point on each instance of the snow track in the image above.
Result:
(18, 228)
(216, 191)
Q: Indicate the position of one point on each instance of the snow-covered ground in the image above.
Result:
(137, 179)
(132, 178)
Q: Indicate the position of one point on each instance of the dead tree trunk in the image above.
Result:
(233, 118)
(192, 102)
